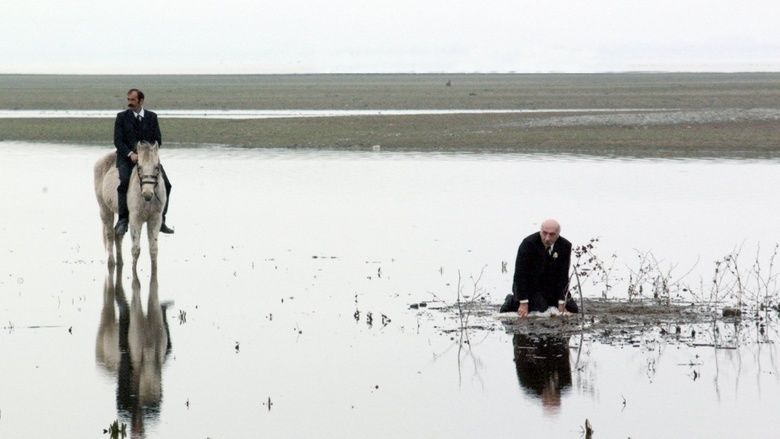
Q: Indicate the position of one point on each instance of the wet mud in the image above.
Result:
(618, 322)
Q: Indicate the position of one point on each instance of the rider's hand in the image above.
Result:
(523, 310)
(134, 157)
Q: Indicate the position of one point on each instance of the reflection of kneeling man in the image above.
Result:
(543, 367)
(541, 273)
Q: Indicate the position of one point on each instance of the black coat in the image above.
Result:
(536, 271)
(128, 132)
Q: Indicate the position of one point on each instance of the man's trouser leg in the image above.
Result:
(571, 306)
(510, 304)
(168, 187)
(125, 168)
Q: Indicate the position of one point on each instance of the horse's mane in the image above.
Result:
(144, 148)
(145, 145)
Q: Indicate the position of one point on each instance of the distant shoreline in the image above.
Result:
(246, 114)
(395, 91)
(672, 114)
(509, 73)
(473, 133)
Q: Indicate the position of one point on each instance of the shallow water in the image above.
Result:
(276, 250)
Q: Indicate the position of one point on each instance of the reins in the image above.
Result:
(153, 179)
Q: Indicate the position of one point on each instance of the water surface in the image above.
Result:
(279, 256)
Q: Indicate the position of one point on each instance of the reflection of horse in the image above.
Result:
(543, 367)
(107, 341)
(145, 201)
(148, 342)
(135, 348)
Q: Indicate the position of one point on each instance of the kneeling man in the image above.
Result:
(541, 273)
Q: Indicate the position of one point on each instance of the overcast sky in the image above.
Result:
(296, 36)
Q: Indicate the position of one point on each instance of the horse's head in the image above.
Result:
(148, 168)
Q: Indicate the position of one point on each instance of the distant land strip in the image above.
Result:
(679, 115)
(549, 134)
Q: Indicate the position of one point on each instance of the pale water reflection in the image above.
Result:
(133, 345)
(148, 343)
(279, 257)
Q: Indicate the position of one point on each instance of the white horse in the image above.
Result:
(145, 201)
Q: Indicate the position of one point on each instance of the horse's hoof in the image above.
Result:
(121, 228)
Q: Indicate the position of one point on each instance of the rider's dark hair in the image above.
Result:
(139, 92)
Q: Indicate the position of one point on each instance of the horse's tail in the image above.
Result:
(102, 166)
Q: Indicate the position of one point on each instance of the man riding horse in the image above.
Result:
(132, 126)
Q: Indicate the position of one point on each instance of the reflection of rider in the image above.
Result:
(142, 344)
(543, 367)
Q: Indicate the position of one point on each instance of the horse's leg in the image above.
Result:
(135, 234)
(120, 261)
(152, 231)
(108, 233)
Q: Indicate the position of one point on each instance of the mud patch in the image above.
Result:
(621, 322)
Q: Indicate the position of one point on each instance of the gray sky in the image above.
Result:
(296, 36)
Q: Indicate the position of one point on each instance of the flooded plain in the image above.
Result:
(305, 294)
(278, 114)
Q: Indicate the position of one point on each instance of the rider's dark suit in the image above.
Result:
(128, 131)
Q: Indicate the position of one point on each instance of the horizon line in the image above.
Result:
(605, 72)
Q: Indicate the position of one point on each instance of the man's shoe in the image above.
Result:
(121, 227)
(166, 229)
(510, 304)
(571, 305)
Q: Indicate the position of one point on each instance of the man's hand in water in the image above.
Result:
(523, 310)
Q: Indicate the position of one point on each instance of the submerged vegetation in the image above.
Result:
(116, 430)
(646, 298)
(751, 286)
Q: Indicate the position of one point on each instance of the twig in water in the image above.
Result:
(588, 429)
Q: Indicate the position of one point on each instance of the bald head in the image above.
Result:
(550, 232)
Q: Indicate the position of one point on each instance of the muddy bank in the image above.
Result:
(667, 117)
(644, 135)
(684, 115)
(618, 322)
(399, 91)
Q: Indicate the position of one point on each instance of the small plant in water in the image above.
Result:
(116, 430)
(588, 265)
